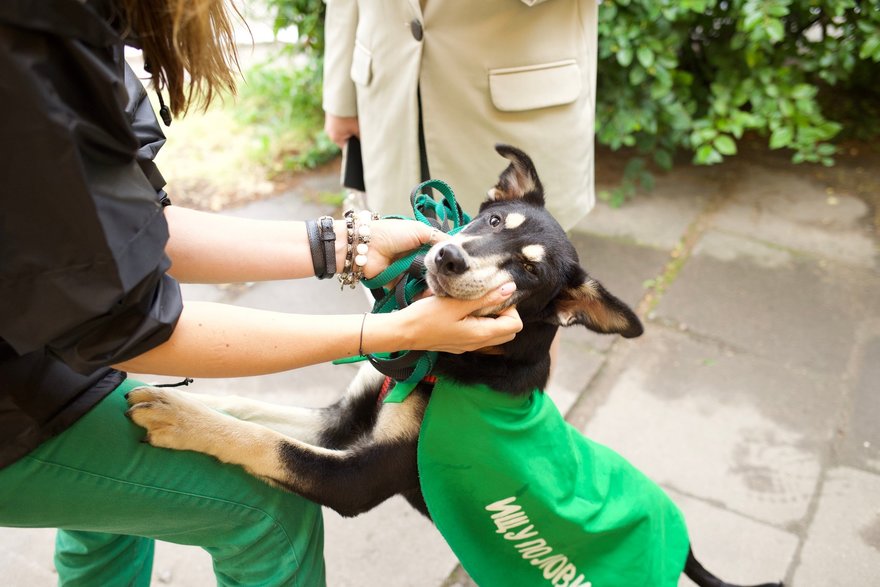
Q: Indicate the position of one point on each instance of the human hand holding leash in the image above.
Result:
(449, 325)
(439, 324)
(393, 237)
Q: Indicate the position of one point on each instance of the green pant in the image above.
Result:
(111, 495)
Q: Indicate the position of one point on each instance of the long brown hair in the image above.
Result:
(189, 46)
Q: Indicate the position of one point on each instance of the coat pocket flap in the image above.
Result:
(535, 86)
(361, 65)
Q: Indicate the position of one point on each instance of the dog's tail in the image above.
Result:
(699, 575)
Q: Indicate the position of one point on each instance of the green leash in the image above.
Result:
(407, 368)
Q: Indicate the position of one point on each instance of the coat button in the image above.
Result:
(416, 27)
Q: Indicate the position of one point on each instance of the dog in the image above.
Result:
(358, 452)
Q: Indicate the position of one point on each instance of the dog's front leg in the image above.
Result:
(349, 481)
(303, 424)
(181, 421)
(334, 426)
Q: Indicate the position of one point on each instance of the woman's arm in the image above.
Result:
(206, 247)
(219, 340)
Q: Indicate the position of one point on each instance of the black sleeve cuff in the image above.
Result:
(142, 320)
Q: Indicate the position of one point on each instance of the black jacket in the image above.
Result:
(83, 280)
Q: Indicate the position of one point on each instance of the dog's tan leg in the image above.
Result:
(350, 481)
(296, 422)
(175, 420)
(305, 424)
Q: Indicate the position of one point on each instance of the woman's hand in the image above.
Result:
(391, 238)
(449, 325)
(435, 323)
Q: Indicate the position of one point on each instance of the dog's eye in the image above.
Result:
(494, 220)
(528, 267)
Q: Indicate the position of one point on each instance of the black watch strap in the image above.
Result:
(328, 242)
(316, 248)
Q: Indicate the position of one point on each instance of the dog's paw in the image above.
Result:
(170, 419)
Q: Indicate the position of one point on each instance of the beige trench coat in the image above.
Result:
(521, 72)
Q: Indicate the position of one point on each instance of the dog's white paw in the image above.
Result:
(171, 419)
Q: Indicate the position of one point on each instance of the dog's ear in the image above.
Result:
(587, 302)
(519, 180)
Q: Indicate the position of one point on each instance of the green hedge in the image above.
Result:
(696, 75)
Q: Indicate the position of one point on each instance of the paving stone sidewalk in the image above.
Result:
(752, 398)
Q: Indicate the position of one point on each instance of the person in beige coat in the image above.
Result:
(473, 73)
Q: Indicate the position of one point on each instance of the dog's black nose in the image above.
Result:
(450, 261)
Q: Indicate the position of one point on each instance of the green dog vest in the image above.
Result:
(523, 499)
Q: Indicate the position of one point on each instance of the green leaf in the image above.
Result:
(663, 159)
(786, 108)
(645, 57)
(777, 10)
(608, 11)
(781, 137)
(725, 145)
(625, 56)
(826, 149)
(871, 48)
(803, 91)
(775, 30)
(809, 134)
(752, 17)
(706, 155)
(637, 75)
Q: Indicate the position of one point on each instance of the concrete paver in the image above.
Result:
(861, 445)
(622, 267)
(658, 219)
(843, 546)
(795, 310)
(734, 547)
(26, 556)
(783, 206)
(717, 424)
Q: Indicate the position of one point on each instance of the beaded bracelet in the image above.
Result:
(346, 276)
(358, 233)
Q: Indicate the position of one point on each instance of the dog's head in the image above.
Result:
(514, 238)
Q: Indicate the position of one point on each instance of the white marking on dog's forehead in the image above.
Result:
(534, 253)
(513, 220)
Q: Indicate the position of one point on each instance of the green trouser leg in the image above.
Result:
(112, 495)
(87, 559)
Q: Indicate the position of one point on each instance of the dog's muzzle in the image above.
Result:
(450, 260)
(452, 272)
